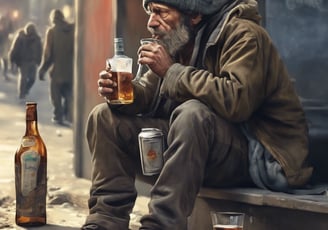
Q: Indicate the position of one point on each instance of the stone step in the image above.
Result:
(264, 209)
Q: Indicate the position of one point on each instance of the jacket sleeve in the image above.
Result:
(39, 51)
(15, 50)
(233, 83)
(47, 57)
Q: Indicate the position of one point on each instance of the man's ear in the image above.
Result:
(195, 19)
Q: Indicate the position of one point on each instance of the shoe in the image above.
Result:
(61, 123)
(92, 227)
(57, 121)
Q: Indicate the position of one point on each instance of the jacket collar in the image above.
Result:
(210, 31)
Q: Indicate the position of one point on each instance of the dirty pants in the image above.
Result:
(203, 150)
(26, 78)
(61, 97)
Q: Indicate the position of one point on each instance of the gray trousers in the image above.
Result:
(26, 78)
(61, 97)
(203, 150)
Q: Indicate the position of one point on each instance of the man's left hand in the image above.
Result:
(156, 57)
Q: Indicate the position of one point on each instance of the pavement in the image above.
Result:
(67, 194)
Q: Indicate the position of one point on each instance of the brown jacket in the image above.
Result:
(244, 81)
(58, 52)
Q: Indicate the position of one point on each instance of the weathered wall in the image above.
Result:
(94, 36)
(98, 22)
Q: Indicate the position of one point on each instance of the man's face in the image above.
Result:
(169, 26)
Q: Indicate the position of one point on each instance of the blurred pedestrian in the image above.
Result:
(58, 57)
(6, 28)
(26, 53)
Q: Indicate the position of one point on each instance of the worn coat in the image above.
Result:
(243, 79)
(59, 51)
(26, 48)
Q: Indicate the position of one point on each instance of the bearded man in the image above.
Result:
(220, 93)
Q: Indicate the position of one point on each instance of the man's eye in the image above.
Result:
(160, 12)
(156, 11)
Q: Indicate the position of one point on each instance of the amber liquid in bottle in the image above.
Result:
(31, 173)
(120, 65)
(113, 98)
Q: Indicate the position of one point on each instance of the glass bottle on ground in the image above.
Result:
(31, 173)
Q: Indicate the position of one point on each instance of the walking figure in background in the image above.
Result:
(6, 28)
(58, 56)
(26, 53)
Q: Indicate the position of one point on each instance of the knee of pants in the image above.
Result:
(98, 117)
(190, 115)
(103, 121)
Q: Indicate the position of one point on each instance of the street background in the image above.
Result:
(67, 194)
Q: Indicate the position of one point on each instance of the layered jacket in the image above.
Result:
(239, 74)
(26, 48)
(58, 52)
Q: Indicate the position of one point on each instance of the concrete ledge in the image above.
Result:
(263, 209)
(255, 196)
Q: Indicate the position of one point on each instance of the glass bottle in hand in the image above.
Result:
(120, 66)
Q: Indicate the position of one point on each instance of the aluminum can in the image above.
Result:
(151, 145)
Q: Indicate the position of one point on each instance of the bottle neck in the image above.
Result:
(31, 120)
(119, 53)
(118, 46)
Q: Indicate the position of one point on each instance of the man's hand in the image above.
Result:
(156, 57)
(105, 84)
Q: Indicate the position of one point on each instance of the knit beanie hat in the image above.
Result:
(204, 7)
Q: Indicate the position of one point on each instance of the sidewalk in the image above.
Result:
(67, 195)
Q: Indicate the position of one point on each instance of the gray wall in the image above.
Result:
(300, 31)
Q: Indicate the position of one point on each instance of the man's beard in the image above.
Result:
(175, 39)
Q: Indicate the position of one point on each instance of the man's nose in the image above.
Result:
(153, 20)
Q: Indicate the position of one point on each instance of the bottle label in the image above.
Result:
(28, 141)
(30, 165)
(119, 64)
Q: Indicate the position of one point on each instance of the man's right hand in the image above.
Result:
(106, 84)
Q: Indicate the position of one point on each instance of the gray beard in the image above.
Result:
(176, 39)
